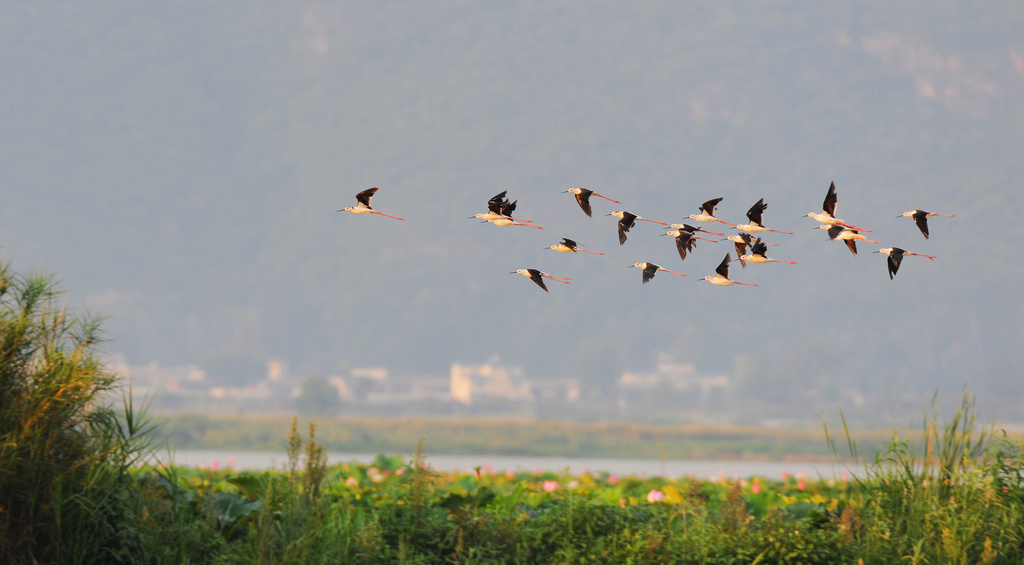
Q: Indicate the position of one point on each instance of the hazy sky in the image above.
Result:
(180, 167)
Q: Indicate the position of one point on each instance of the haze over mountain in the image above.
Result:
(179, 167)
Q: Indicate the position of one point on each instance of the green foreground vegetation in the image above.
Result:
(73, 489)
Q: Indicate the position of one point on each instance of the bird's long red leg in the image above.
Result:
(673, 272)
(387, 215)
(945, 215)
(785, 232)
(725, 222)
(854, 228)
(591, 252)
(554, 278)
(606, 198)
(653, 221)
(922, 255)
(744, 284)
(871, 241)
(518, 219)
(706, 239)
(530, 226)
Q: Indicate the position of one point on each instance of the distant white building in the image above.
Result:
(487, 380)
(679, 377)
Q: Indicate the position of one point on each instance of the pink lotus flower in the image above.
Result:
(755, 488)
(801, 484)
(550, 486)
(613, 479)
(655, 496)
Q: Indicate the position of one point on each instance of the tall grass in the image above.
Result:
(65, 452)
(953, 496)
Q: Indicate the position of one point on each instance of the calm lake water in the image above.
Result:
(254, 460)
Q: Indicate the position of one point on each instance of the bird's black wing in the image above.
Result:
(649, 271)
(921, 219)
(507, 208)
(709, 206)
(829, 206)
(684, 244)
(723, 267)
(364, 196)
(756, 211)
(496, 202)
(583, 199)
(535, 277)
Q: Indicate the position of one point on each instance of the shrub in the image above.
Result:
(65, 454)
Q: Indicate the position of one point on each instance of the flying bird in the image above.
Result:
(756, 225)
(686, 239)
(757, 254)
(895, 257)
(650, 269)
(685, 242)
(499, 207)
(742, 241)
(583, 198)
(539, 276)
(846, 235)
(707, 212)
(626, 221)
(569, 246)
(721, 277)
(828, 211)
(921, 219)
(363, 204)
(694, 229)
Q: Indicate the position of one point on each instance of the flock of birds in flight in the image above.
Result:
(749, 246)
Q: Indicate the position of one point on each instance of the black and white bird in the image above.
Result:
(756, 223)
(626, 221)
(707, 212)
(686, 238)
(828, 211)
(757, 254)
(583, 198)
(569, 246)
(742, 241)
(846, 235)
(721, 277)
(685, 242)
(650, 269)
(921, 219)
(694, 229)
(895, 257)
(539, 276)
(363, 204)
(500, 208)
